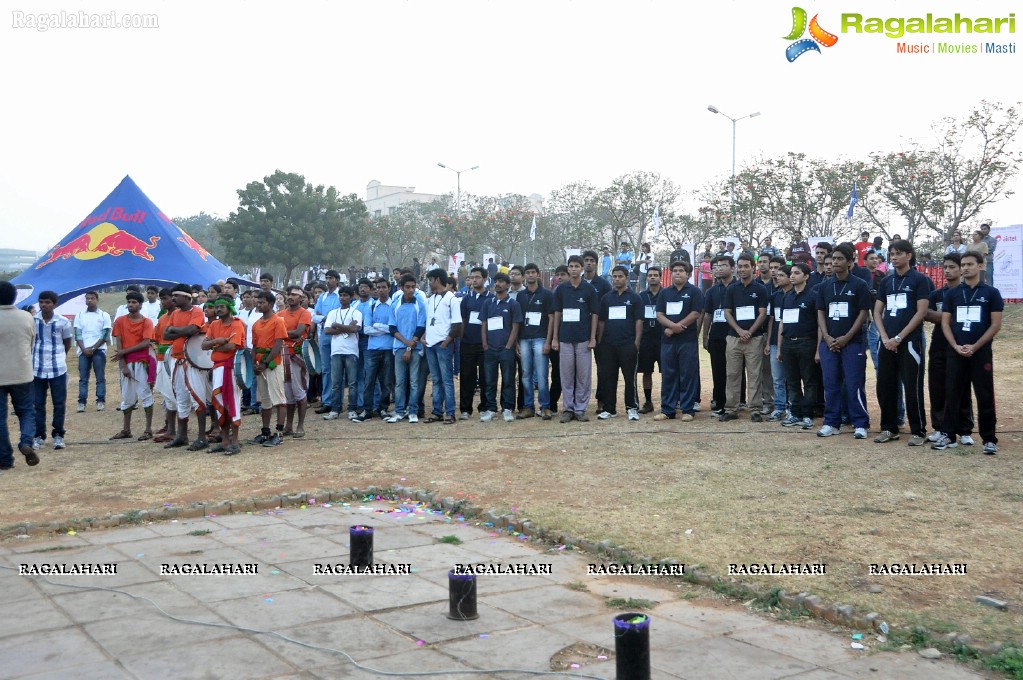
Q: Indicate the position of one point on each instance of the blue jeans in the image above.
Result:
(379, 373)
(781, 397)
(344, 370)
(98, 363)
(440, 360)
(326, 370)
(680, 372)
(406, 382)
(504, 359)
(535, 372)
(844, 375)
(21, 398)
(58, 393)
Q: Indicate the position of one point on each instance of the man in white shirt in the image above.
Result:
(248, 315)
(49, 368)
(92, 332)
(342, 326)
(152, 306)
(443, 325)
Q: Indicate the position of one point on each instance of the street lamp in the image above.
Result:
(731, 197)
(458, 195)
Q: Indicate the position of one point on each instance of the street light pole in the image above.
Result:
(735, 121)
(458, 185)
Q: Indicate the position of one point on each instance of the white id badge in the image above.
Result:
(896, 301)
(791, 315)
(968, 314)
(495, 323)
(777, 313)
(838, 310)
(616, 313)
(719, 316)
(532, 318)
(673, 308)
(745, 313)
(474, 317)
(570, 315)
(651, 312)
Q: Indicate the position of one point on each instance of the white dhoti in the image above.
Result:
(136, 388)
(227, 395)
(164, 386)
(191, 388)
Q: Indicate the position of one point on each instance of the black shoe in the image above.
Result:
(259, 439)
(757, 418)
(322, 409)
(718, 412)
(726, 416)
(31, 457)
(273, 440)
(175, 444)
(198, 445)
(647, 408)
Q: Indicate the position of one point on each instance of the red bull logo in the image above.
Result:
(103, 239)
(192, 244)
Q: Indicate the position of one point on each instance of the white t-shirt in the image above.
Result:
(121, 311)
(151, 310)
(248, 317)
(344, 343)
(441, 311)
(92, 325)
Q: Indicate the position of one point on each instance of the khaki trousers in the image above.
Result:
(748, 356)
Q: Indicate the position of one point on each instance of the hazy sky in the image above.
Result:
(537, 93)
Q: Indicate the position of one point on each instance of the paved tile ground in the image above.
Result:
(393, 623)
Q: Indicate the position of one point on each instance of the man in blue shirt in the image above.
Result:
(471, 370)
(971, 317)
(537, 304)
(379, 358)
(746, 314)
(606, 262)
(501, 317)
(407, 325)
(575, 336)
(328, 301)
(715, 329)
(678, 311)
(797, 346)
(619, 329)
(900, 309)
(843, 303)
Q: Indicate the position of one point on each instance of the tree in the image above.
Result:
(410, 230)
(285, 220)
(203, 229)
(570, 218)
(627, 206)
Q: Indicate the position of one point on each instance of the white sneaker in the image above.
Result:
(397, 417)
(463, 415)
(860, 433)
(487, 416)
(58, 442)
(934, 436)
(696, 407)
(332, 415)
(966, 440)
(508, 415)
(605, 415)
(807, 424)
(828, 431)
(387, 415)
(351, 415)
(81, 408)
(413, 418)
(633, 414)
(100, 406)
(37, 443)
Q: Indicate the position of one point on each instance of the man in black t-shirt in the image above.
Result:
(575, 336)
(745, 311)
(937, 359)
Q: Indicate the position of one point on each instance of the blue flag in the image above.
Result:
(852, 203)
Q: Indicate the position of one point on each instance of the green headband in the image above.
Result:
(227, 303)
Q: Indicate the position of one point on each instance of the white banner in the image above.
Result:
(454, 262)
(569, 252)
(814, 240)
(690, 248)
(1008, 261)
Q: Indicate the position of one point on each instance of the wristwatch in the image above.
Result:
(897, 338)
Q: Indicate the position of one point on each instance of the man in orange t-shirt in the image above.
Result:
(187, 320)
(164, 370)
(297, 320)
(268, 336)
(134, 334)
(225, 336)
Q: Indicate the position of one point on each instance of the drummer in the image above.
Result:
(268, 336)
(164, 386)
(297, 321)
(225, 336)
(134, 334)
(185, 321)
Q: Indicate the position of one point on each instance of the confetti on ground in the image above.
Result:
(71, 532)
(420, 642)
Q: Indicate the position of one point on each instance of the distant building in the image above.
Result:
(383, 199)
(12, 260)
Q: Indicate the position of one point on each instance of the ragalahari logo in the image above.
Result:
(803, 45)
(103, 239)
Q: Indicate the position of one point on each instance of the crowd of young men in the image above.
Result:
(786, 341)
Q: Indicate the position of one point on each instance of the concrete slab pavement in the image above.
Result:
(395, 623)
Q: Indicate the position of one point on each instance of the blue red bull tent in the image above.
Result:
(126, 239)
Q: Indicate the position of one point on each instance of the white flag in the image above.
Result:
(657, 220)
(532, 229)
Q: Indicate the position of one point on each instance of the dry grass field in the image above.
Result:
(703, 493)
